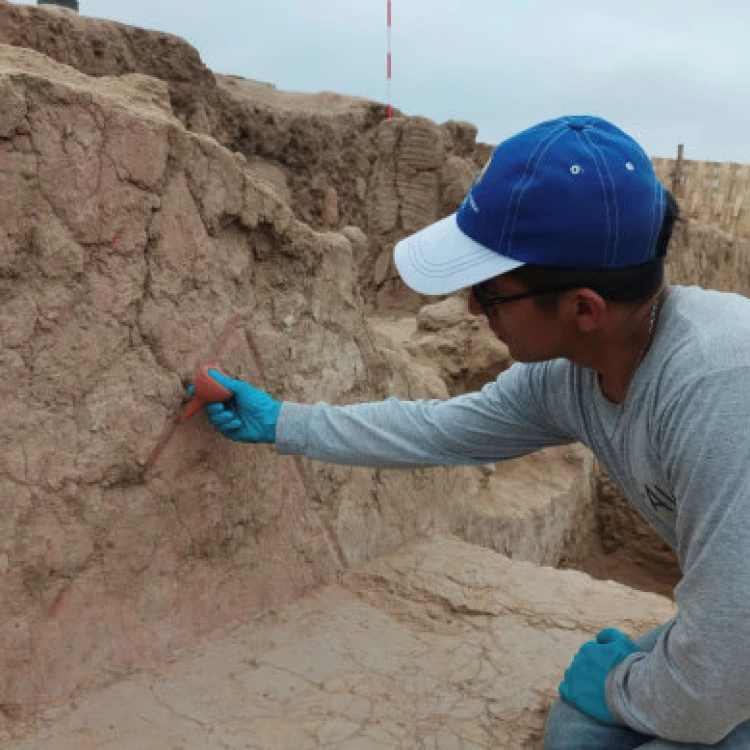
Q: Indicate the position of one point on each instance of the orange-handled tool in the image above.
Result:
(207, 391)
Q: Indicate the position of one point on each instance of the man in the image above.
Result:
(561, 240)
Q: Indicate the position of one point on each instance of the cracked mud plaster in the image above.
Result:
(127, 246)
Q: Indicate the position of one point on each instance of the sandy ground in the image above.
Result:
(441, 646)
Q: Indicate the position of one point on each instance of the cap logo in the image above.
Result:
(480, 176)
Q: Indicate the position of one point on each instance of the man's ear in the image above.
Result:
(583, 308)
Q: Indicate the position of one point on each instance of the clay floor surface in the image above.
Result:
(441, 646)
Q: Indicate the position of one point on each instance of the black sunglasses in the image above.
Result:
(486, 302)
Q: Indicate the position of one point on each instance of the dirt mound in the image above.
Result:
(104, 48)
(335, 160)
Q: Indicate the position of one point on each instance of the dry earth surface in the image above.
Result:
(442, 646)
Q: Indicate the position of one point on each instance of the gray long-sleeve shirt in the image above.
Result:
(679, 448)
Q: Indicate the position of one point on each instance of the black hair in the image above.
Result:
(630, 284)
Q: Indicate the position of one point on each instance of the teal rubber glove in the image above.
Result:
(586, 678)
(250, 416)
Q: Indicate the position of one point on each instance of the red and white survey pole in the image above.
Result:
(389, 66)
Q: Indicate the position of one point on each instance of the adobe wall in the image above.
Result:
(131, 251)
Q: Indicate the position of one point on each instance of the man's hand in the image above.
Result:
(248, 417)
(586, 678)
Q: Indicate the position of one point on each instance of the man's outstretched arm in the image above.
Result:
(506, 419)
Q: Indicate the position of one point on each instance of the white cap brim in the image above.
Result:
(441, 259)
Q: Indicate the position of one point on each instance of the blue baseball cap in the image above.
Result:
(574, 192)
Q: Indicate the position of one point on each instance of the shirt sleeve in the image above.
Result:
(506, 419)
(695, 685)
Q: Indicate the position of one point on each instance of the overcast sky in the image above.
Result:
(666, 71)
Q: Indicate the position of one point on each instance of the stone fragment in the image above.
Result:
(441, 315)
